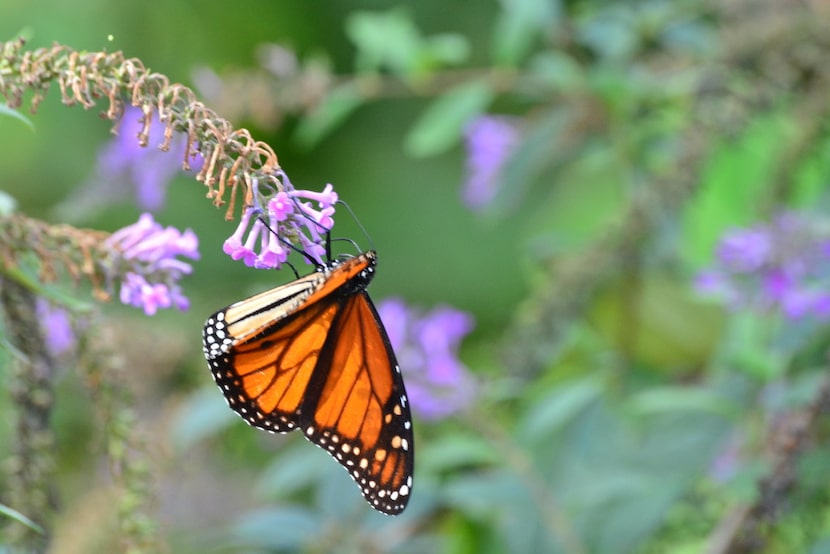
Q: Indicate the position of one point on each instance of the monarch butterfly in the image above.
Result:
(313, 355)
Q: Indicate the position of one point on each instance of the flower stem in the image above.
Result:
(30, 483)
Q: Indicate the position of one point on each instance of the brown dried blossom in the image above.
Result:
(232, 156)
(80, 252)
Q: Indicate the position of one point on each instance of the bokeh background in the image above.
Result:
(649, 281)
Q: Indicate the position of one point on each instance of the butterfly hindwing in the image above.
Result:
(314, 354)
(361, 413)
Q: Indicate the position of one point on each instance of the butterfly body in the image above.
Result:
(313, 355)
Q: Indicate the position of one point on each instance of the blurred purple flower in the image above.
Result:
(714, 283)
(125, 167)
(57, 327)
(745, 250)
(426, 345)
(489, 141)
(783, 265)
(145, 255)
(262, 236)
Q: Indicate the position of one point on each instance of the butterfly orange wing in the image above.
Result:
(361, 413)
(263, 350)
(314, 354)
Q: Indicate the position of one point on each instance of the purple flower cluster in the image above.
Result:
(426, 345)
(489, 141)
(782, 266)
(290, 218)
(124, 166)
(145, 258)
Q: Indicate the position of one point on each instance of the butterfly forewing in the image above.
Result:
(248, 343)
(314, 354)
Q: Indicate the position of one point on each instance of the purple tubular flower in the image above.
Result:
(145, 254)
(292, 219)
(250, 256)
(257, 233)
(280, 207)
(489, 141)
(782, 266)
(136, 291)
(233, 246)
(437, 383)
(273, 253)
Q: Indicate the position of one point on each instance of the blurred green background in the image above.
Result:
(616, 411)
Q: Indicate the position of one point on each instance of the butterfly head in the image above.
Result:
(360, 280)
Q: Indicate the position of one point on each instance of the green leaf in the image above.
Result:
(734, 185)
(614, 36)
(293, 469)
(556, 409)
(391, 41)
(338, 105)
(809, 179)
(508, 506)
(24, 276)
(385, 40)
(14, 114)
(442, 122)
(749, 347)
(479, 494)
(672, 399)
(558, 70)
(519, 25)
(676, 333)
(445, 49)
(278, 529)
(203, 414)
(20, 518)
(455, 451)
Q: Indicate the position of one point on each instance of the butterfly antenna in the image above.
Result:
(359, 225)
(290, 245)
(322, 228)
(294, 269)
